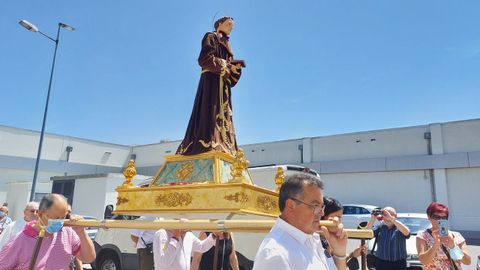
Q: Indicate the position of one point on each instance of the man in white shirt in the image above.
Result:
(142, 238)
(172, 249)
(293, 243)
(29, 213)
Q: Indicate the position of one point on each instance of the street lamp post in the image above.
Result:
(31, 27)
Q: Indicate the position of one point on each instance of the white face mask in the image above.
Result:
(456, 253)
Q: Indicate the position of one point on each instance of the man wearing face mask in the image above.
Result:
(29, 213)
(59, 243)
(4, 218)
(391, 236)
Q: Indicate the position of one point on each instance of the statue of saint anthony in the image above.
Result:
(211, 126)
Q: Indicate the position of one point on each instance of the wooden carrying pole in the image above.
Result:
(205, 225)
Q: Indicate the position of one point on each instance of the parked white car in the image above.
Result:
(91, 231)
(357, 215)
(415, 222)
(115, 249)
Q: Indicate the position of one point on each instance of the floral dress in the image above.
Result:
(440, 261)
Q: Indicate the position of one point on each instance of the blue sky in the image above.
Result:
(128, 74)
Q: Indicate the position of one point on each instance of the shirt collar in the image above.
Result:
(297, 234)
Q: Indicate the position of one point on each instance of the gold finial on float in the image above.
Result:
(279, 178)
(129, 174)
(238, 166)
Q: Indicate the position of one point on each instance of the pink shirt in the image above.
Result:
(55, 253)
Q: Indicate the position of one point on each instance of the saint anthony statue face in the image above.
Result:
(226, 27)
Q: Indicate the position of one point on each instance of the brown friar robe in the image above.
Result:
(211, 126)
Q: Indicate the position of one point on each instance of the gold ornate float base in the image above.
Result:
(210, 185)
(235, 198)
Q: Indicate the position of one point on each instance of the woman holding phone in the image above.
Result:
(438, 247)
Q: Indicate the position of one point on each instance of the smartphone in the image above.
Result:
(443, 227)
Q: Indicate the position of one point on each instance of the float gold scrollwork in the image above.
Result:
(174, 199)
(267, 203)
(121, 200)
(185, 171)
(237, 197)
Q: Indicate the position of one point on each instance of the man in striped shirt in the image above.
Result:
(58, 245)
(391, 236)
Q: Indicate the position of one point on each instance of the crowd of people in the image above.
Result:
(296, 241)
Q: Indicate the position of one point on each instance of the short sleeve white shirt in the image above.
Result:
(286, 247)
(11, 230)
(170, 254)
(147, 236)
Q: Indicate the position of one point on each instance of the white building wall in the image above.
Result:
(464, 198)
(91, 152)
(13, 176)
(24, 143)
(18, 194)
(18, 142)
(406, 191)
(461, 136)
(282, 152)
(358, 167)
(363, 145)
(153, 154)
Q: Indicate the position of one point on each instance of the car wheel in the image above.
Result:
(108, 261)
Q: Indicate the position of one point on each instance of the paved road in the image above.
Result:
(474, 252)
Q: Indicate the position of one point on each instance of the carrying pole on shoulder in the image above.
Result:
(36, 250)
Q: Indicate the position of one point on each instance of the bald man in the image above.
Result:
(59, 245)
(391, 237)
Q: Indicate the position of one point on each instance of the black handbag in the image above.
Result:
(148, 247)
(371, 258)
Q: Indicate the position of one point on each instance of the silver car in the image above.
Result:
(357, 215)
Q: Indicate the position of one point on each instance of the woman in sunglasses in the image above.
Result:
(439, 248)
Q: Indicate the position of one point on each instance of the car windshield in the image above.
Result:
(415, 224)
